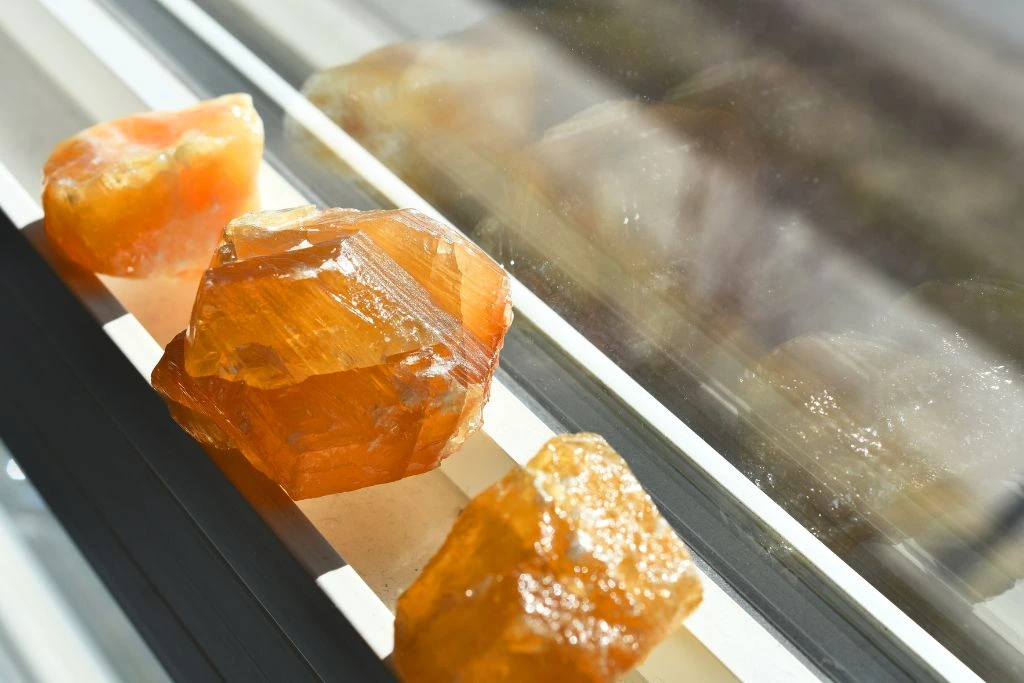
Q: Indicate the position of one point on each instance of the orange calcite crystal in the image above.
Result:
(562, 571)
(149, 194)
(338, 349)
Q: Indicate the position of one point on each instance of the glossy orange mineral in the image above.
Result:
(562, 571)
(149, 194)
(338, 349)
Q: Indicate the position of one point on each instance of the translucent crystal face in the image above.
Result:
(149, 194)
(362, 286)
(563, 570)
(339, 349)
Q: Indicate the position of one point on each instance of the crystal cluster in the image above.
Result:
(338, 349)
(562, 571)
(149, 194)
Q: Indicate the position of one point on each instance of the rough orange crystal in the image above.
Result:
(338, 349)
(562, 571)
(149, 194)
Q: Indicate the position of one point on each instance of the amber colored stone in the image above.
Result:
(338, 349)
(149, 194)
(562, 571)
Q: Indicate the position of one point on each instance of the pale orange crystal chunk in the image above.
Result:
(149, 194)
(338, 349)
(562, 571)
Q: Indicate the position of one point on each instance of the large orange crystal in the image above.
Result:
(149, 194)
(562, 571)
(338, 349)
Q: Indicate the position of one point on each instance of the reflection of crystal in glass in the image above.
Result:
(394, 95)
(922, 407)
(440, 115)
(149, 194)
(638, 209)
(339, 349)
(563, 570)
(658, 211)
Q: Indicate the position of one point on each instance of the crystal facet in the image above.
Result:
(149, 194)
(338, 349)
(563, 570)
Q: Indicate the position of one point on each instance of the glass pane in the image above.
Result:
(797, 228)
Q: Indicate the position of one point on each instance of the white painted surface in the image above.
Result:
(135, 342)
(361, 607)
(17, 203)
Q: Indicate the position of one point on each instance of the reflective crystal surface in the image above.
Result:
(338, 349)
(149, 194)
(563, 570)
